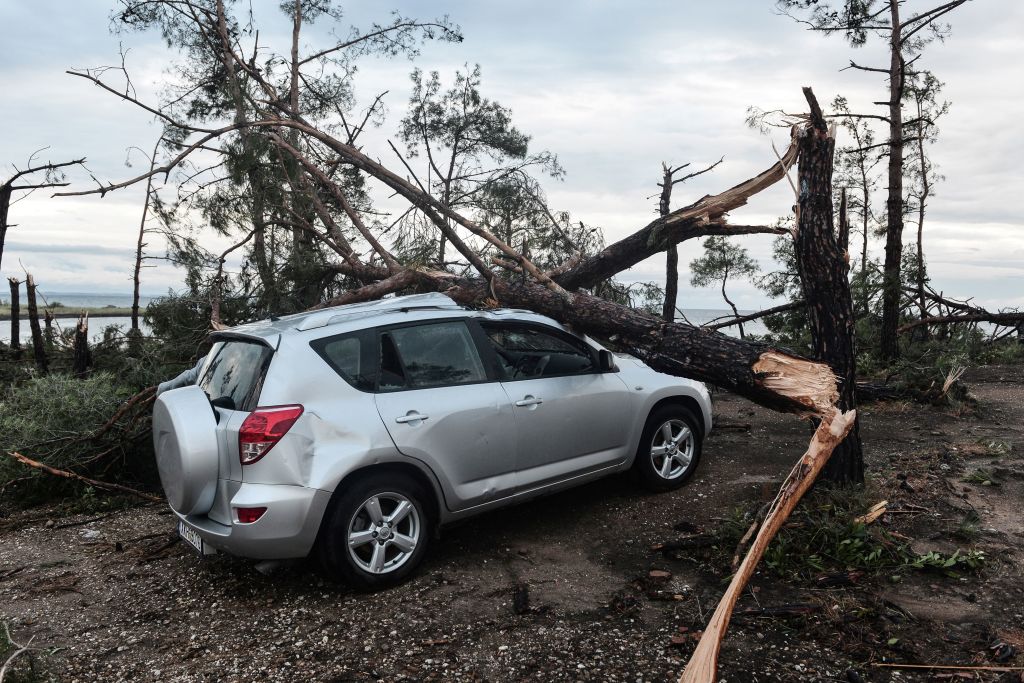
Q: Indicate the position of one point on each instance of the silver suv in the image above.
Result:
(355, 432)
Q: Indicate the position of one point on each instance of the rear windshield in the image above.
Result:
(235, 373)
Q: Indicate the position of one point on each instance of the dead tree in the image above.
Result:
(33, 322)
(140, 245)
(668, 182)
(52, 177)
(15, 317)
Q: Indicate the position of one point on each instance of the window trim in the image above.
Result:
(541, 327)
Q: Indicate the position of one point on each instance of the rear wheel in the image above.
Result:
(376, 532)
(669, 449)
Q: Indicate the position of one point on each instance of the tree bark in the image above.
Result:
(921, 206)
(823, 271)
(891, 285)
(843, 236)
(33, 322)
(668, 309)
(15, 317)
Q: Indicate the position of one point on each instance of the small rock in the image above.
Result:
(659, 575)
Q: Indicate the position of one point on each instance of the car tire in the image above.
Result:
(682, 451)
(376, 531)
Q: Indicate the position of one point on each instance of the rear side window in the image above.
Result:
(235, 373)
(432, 355)
(352, 356)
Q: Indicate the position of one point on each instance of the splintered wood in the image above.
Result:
(834, 427)
(809, 383)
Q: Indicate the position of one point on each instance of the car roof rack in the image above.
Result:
(404, 304)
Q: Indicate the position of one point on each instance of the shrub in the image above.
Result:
(56, 419)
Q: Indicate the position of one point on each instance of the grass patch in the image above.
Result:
(982, 477)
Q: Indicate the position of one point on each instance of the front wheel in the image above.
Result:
(376, 532)
(670, 448)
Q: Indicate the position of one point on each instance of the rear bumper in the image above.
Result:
(286, 530)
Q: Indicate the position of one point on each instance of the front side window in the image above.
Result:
(436, 354)
(235, 372)
(529, 352)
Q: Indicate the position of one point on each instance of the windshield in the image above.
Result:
(234, 375)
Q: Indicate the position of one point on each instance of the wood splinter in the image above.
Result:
(834, 427)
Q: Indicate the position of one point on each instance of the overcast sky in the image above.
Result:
(613, 88)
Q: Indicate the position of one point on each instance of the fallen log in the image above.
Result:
(830, 432)
(1004, 319)
(791, 306)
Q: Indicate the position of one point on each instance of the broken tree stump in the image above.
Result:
(15, 317)
(82, 358)
(33, 322)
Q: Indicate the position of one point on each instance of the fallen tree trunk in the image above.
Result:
(1007, 319)
(782, 308)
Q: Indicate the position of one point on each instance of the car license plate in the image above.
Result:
(191, 536)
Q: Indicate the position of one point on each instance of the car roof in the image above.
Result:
(383, 311)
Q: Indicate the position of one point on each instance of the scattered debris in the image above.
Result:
(873, 513)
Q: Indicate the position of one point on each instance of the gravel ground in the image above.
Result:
(559, 589)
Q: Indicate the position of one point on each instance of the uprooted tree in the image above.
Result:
(271, 153)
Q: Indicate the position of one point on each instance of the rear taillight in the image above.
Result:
(263, 428)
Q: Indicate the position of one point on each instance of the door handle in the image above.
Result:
(411, 416)
(529, 400)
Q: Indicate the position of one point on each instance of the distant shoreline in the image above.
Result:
(65, 312)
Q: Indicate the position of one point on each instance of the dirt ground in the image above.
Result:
(560, 589)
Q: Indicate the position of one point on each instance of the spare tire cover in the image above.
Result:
(185, 442)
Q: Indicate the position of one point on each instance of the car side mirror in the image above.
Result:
(606, 361)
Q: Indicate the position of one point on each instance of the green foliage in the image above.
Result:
(721, 260)
(476, 160)
(51, 418)
(824, 536)
(982, 477)
(790, 328)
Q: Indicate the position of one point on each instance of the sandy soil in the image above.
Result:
(559, 589)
